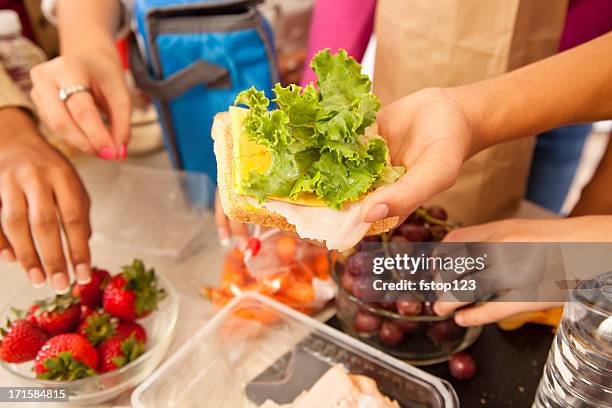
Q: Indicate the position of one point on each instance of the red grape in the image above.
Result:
(446, 330)
(363, 289)
(438, 232)
(390, 306)
(415, 233)
(399, 245)
(462, 366)
(347, 282)
(415, 219)
(438, 213)
(360, 263)
(428, 309)
(366, 322)
(391, 334)
(408, 326)
(409, 307)
(370, 243)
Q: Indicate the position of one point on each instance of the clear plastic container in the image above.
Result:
(256, 349)
(160, 212)
(18, 55)
(578, 373)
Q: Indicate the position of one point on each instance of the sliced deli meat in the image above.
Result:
(339, 229)
(338, 389)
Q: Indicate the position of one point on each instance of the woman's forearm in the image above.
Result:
(571, 87)
(595, 197)
(83, 23)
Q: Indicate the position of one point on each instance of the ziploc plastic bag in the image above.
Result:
(278, 265)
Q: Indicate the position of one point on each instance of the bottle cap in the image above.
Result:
(9, 22)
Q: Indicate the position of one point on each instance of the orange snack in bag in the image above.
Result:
(283, 269)
(300, 292)
(286, 247)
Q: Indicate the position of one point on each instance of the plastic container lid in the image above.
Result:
(256, 349)
(9, 22)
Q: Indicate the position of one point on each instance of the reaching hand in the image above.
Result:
(41, 194)
(80, 120)
(532, 261)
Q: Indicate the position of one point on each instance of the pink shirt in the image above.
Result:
(340, 24)
(344, 24)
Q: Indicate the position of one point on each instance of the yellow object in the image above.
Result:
(249, 156)
(549, 317)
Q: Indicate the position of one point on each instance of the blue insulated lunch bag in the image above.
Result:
(198, 55)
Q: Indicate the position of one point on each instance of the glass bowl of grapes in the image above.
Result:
(403, 326)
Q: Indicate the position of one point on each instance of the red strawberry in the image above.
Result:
(97, 327)
(57, 315)
(85, 312)
(125, 329)
(133, 293)
(21, 341)
(117, 351)
(30, 314)
(66, 357)
(91, 294)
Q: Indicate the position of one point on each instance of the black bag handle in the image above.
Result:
(199, 73)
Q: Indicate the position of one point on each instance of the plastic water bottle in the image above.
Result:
(578, 372)
(17, 54)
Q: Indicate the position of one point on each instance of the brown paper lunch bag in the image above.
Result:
(423, 43)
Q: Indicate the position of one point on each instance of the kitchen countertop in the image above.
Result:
(509, 363)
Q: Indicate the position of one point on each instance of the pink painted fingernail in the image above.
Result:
(123, 151)
(106, 153)
(378, 212)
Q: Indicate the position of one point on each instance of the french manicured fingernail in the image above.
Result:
(378, 212)
(224, 237)
(106, 153)
(8, 255)
(37, 277)
(123, 151)
(83, 274)
(60, 283)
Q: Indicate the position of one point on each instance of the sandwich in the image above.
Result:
(305, 160)
(338, 389)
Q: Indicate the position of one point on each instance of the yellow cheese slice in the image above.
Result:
(249, 156)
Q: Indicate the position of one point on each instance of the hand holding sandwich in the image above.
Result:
(433, 131)
(304, 160)
(430, 134)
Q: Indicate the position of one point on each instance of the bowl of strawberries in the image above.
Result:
(97, 340)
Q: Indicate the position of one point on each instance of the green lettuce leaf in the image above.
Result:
(316, 136)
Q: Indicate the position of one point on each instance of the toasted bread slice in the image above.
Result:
(236, 206)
